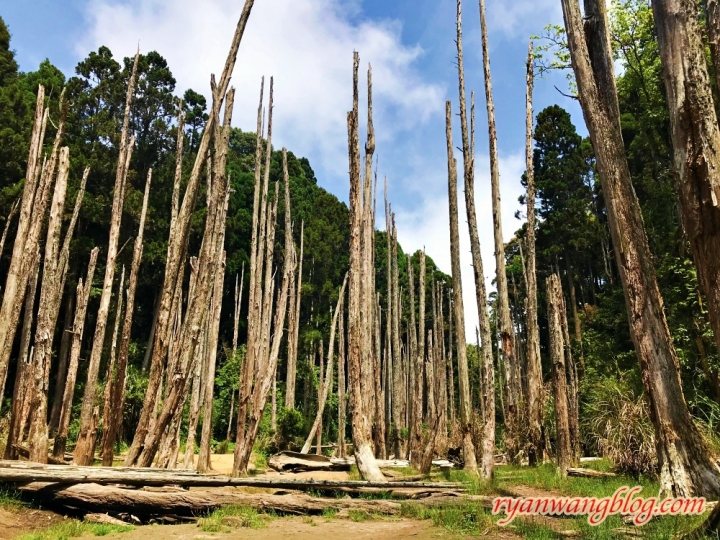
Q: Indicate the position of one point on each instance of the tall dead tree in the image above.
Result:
(695, 134)
(359, 354)
(535, 398)
(507, 332)
(459, 311)
(39, 178)
(572, 385)
(85, 446)
(326, 385)
(565, 457)
(208, 264)
(82, 295)
(177, 250)
(684, 464)
(399, 390)
(8, 221)
(294, 327)
(342, 396)
(117, 387)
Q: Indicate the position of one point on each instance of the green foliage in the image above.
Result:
(469, 518)
(291, 429)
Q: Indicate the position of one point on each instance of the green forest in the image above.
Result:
(144, 320)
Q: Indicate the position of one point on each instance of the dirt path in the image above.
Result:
(302, 529)
(16, 522)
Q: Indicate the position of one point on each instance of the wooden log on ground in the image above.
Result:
(589, 473)
(109, 475)
(104, 519)
(295, 461)
(8, 464)
(147, 504)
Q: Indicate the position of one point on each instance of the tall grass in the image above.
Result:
(72, 529)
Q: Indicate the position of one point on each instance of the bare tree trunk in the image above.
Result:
(535, 398)
(430, 380)
(8, 221)
(441, 394)
(112, 368)
(63, 357)
(325, 387)
(18, 416)
(507, 332)
(459, 312)
(36, 194)
(82, 295)
(342, 397)
(379, 426)
(295, 327)
(196, 393)
(684, 463)
(358, 358)
(177, 248)
(572, 386)
(47, 315)
(117, 389)
(416, 451)
(565, 457)
(85, 447)
(695, 134)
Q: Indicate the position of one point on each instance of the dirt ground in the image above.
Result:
(297, 529)
(16, 522)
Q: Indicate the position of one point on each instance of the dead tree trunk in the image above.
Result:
(112, 368)
(565, 456)
(459, 312)
(294, 329)
(695, 135)
(535, 398)
(177, 249)
(47, 315)
(85, 447)
(342, 397)
(117, 390)
(18, 414)
(82, 295)
(63, 356)
(327, 384)
(359, 365)
(416, 451)
(572, 386)
(685, 466)
(8, 221)
(507, 332)
(204, 464)
(399, 392)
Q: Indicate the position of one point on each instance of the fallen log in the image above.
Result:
(9, 464)
(112, 475)
(149, 504)
(589, 473)
(296, 462)
(104, 519)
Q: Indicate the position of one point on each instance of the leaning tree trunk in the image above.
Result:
(360, 375)
(82, 296)
(177, 249)
(327, 384)
(8, 221)
(85, 446)
(564, 450)
(535, 395)
(695, 135)
(117, 388)
(685, 466)
(459, 311)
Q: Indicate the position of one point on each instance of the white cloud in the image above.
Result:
(306, 44)
(428, 225)
(522, 17)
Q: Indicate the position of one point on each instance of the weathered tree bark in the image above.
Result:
(399, 390)
(342, 397)
(459, 312)
(359, 364)
(379, 429)
(85, 446)
(685, 466)
(416, 450)
(432, 415)
(63, 357)
(449, 363)
(695, 134)
(113, 420)
(196, 394)
(236, 328)
(294, 329)
(441, 391)
(327, 384)
(8, 221)
(256, 261)
(112, 367)
(204, 464)
(535, 399)
(18, 411)
(36, 193)
(177, 249)
(82, 295)
(47, 315)
(572, 385)
(564, 449)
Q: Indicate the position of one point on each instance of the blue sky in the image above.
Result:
(307, 45)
